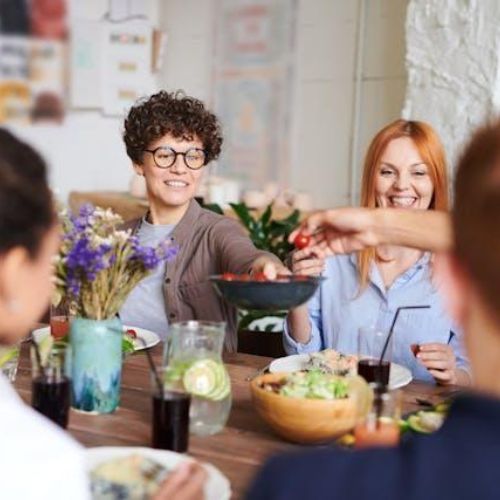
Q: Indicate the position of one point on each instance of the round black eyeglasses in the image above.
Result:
(165, 157)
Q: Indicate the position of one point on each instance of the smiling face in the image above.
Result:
(172, 187)
(402, 179)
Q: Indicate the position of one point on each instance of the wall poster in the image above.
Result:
(32, 60)
(254, 58)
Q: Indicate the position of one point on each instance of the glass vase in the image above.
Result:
(96, 364)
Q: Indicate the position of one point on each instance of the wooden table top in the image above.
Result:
(238, 451)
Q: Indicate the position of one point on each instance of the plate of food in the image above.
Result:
(257, 292)
(331, 361)
(127, 472)
(429, 420)
(134, 338)
(421, 422)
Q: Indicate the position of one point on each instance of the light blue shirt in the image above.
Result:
(145, 304)
(338, 310)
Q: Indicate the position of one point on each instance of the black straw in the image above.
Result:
(39, 359)
(380, 385)
(391, 331)
(152, 367)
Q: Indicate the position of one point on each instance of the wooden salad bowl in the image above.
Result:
(310, 421)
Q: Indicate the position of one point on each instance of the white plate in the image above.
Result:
(216, 488)
(399, 376)
(150, 338)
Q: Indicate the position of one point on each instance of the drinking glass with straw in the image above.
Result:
(51, 383)
(391, 333)
(381, 386)
(378, 427)
(371, 343)
(170, 415)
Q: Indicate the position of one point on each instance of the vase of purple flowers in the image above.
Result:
(97, 267)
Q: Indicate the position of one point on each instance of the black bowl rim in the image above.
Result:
(309, 279)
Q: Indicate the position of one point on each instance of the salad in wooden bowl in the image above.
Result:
(310, 407)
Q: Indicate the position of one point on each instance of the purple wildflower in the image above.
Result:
(151, 257)
(91, 245)
(81, 221)
(86, 261)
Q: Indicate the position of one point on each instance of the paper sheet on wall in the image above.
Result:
(120, 10)
(86, 64)
(126, 73)
(15, 91)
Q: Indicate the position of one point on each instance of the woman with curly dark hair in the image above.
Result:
(170, 138)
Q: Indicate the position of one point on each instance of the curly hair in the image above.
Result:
(171, 113)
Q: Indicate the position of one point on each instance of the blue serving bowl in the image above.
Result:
(278, 295)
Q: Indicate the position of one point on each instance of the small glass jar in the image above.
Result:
(380, 427)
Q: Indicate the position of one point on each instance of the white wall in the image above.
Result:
(384, 72)
(190, 46)
(323, 97)
(86, 152)
(453, 66)
(326, 35)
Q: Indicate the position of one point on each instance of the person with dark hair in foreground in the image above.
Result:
(37, 459)
(460, 461)
(170, 138)
(32, 447)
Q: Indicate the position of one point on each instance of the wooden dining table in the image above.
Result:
(238, 451)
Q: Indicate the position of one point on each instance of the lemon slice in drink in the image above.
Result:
(44, 348)
(206, 378)
(222, 390)
(6, 354)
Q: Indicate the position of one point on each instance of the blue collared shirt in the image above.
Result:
(338, 310)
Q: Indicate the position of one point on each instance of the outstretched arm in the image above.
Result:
(346, 230)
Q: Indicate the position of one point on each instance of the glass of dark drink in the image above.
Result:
(170, 422)
(51, 384)
(374, 354)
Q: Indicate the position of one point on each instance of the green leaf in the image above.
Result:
(214, 207)
(266, 216)
(265, 232)
(292, 219)
(247, 317)
(241, 210)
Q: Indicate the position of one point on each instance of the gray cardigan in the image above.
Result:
(209, 244)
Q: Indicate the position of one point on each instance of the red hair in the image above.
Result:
(432, 153)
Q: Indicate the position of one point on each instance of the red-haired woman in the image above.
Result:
(405, 167)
